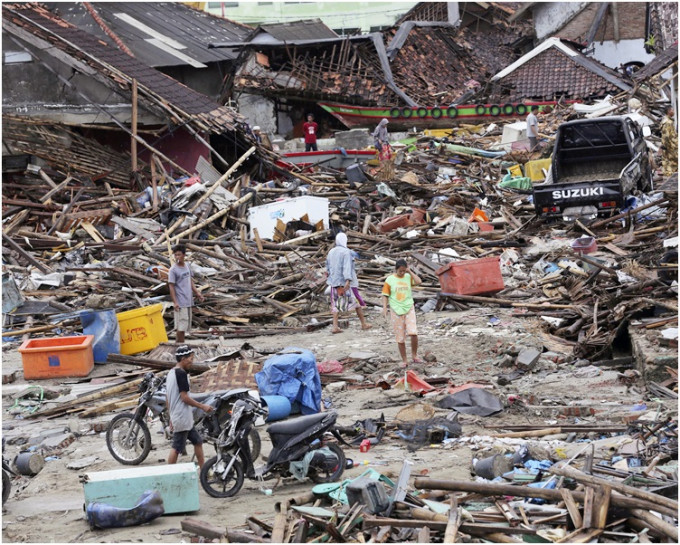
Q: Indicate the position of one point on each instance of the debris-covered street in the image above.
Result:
(216, 206)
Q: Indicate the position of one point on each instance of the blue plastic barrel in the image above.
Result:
(103, 324)
(279, 407)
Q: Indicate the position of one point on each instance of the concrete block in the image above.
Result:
(335, 387)
(58, 442)
(353, 139)
(38, 439)
(527, 358)
(650, 356)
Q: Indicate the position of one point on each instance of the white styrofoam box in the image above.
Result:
(513, 132)
(264, 217)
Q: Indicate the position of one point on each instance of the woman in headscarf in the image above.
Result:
(343, 282)
(380, 136)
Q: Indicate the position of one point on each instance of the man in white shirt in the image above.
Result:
(532, 128)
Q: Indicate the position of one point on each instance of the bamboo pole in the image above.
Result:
(577, 475)
(133, 142)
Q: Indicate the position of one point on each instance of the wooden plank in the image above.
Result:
(588, 508)
(572, 507)
(133, 141)
(453, 523)
(280, 522)
(203, 528)
(601, 506)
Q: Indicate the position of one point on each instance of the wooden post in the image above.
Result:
(154, 184)
(133, 143)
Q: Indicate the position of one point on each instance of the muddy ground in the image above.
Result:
(49, 507)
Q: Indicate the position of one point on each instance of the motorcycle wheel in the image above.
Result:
(133, 451)
(325, 475)
(6, 486)
(215, 484)
(255, 444)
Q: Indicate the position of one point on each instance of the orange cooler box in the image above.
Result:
(57, 357)
(472, 276)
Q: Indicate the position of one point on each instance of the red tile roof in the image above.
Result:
(551, 75)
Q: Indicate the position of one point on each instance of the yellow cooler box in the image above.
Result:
(534, 169)
(141, 329)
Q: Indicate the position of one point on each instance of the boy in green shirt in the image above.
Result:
(397, 291)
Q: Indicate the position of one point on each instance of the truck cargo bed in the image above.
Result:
(602, 170)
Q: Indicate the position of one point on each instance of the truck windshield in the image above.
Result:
(592, 134)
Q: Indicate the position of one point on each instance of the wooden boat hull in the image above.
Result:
(404, 118)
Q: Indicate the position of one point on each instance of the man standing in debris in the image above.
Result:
(380, 135)
(532, 128)
(179, 403)
(343, 282)
(397, 291)
(182, 291)
(310, 129)
(669, 143)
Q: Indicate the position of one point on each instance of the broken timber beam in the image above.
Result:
(499, 489)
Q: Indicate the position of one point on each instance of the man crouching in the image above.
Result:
(180, 403)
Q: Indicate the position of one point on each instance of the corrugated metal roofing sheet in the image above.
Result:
(310, 29)
(137, 23)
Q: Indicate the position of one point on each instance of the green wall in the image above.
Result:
(367, 16)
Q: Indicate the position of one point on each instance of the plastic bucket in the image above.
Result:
(104, 326)
(29, 463)
(493, 466)
(278, 406)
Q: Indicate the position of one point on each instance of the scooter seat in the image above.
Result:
(296, 425)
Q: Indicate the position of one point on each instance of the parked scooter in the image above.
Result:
(298, 450)
(128, 437)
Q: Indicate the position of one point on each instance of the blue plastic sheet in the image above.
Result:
(293, 374)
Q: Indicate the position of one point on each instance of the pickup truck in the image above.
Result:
(596, 164)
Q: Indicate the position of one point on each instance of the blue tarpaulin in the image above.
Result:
(292, 373)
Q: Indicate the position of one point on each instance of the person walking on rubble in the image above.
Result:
(310, 128)
(532, 128)
(397, 292)
(179, 402)
(669, 143)
(182, 290)
(343, 282)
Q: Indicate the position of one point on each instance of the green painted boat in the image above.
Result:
(421, 117)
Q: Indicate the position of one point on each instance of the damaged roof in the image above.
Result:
(658, 64)
(308, 29)
(91, 56)
(555, 70)
(159, 34)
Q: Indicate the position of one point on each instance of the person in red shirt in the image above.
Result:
(310, 128)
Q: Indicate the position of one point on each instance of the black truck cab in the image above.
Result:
(595, 164)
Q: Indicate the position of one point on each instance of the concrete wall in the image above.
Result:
(336, 15)
(551, 16)
(613, 54)
(258, 110)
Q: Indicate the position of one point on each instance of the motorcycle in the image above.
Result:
(298, 450)
(128, 437)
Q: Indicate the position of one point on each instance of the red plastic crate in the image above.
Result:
(472, 277)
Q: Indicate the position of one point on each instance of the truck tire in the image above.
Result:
(452, 111)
